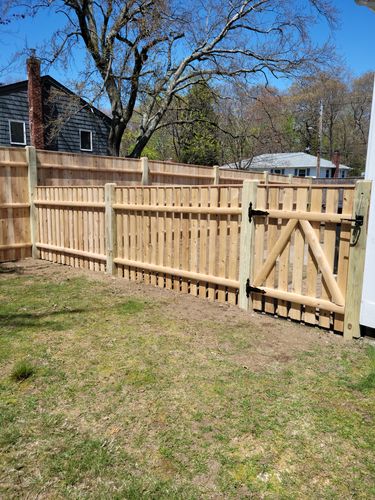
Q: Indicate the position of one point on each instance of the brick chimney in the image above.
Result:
(336, 162)
(35, 101)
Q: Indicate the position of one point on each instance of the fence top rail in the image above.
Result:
(44, 152)
(86, 168)
(6, 163)
(306, 186)
(333, 186)
(152, 186)
(81, 186)
(180, 186)
(179, 174)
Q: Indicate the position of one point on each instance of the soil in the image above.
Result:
(272, 341)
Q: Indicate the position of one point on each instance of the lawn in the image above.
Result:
(111, 389)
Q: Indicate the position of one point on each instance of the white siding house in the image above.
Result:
(299, 164)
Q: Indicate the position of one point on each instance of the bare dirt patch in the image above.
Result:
(271, 341)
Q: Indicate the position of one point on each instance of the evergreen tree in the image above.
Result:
(197, 137)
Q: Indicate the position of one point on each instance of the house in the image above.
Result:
(299, 164)
(43, 113)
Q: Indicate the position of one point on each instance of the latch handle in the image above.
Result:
(358, 221)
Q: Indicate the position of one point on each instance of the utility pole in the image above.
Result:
(320, 132)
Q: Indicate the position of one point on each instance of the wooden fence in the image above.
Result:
(21, 169)
(15, 241)
(283, 249)
(60, 169)
(181, 238)
(70, 226)
(294, 261)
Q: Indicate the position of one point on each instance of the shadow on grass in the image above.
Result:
(32, 320)
(10, 268)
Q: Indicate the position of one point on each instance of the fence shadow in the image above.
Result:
(10, 268)
(24, 320)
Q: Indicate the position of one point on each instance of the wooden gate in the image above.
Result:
(302, 238)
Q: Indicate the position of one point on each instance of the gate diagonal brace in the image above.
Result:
(256, 213)
(252, 289)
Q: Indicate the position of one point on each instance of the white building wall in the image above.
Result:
(367, 317)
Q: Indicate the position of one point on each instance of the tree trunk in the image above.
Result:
(140, 145)
(115, 135)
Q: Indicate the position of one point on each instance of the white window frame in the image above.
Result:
(80, 142)
(24, 133)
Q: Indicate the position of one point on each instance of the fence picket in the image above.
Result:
(312, 269)
(272, 234)
(298, 257)
(329, 249)
(212, 241)
(283, 275)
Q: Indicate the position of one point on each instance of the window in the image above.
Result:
(86, 140)
(327, 173)
(301, 172)
(17, 132)
(278, 171)
(342, 174)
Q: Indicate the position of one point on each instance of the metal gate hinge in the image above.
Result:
(252, 289)
(255, 213)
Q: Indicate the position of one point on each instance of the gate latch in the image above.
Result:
(255, 213)
(358, 221)
(252, 289)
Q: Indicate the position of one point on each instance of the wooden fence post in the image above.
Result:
(145, 171)
(266, 176)
(290, 178)
(110, 227)
(356, 263)
(249, 195)
(216, 175)
(32, 184)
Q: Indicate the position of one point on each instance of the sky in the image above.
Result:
(355, 39)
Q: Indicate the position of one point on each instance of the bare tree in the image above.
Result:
(142, 53)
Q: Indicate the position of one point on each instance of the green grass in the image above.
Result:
(22, 370)
(106, 394)
(367, 382)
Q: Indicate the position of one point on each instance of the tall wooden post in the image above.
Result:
(110, 227)
(266, 176)
(357, 262)
(32, 184)
(249, 195)
(145, 171)
(216, 175)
